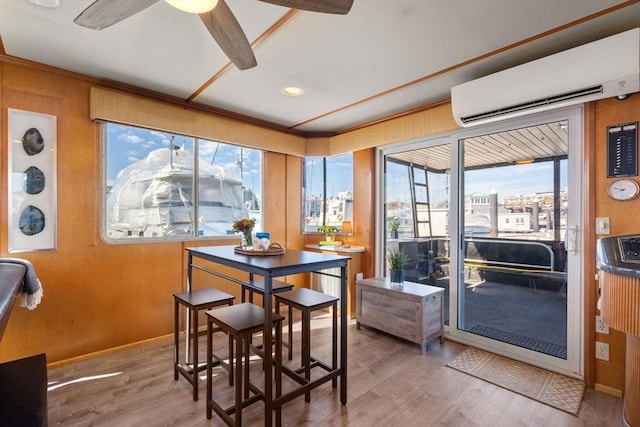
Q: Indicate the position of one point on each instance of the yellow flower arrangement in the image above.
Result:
(245, 226)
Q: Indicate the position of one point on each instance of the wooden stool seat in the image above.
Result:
(307, 301)
(241, 321)
(196, 301)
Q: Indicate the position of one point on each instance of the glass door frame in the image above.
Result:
(573, 365)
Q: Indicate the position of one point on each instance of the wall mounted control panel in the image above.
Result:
(630, 248)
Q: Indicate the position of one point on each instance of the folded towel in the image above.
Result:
(31, 286)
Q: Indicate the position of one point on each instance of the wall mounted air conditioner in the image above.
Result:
(605, 68)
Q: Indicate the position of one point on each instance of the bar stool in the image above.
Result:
(241, 321)
(196, 301)
(307, 300)
(257, 286)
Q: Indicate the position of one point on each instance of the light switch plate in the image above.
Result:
(602, 225)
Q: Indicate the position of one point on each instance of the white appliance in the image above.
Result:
(327, 283)
(604, 68)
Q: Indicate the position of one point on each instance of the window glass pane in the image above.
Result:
(398, 198)
(327, 191)
(313, 192)
(419, 176)
(339, 196)
(150, 185)
(515, 262)
(222, 196)
(417, 214)
(421, 192)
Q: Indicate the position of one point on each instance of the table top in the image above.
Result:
(410, 288)
(291, 262)
(340, 249)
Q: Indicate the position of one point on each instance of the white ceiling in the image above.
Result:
(384, 58)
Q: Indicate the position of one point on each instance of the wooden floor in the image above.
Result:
(390, 384)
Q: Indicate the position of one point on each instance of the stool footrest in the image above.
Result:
(306, 387)
(187, 370)
(314, 364)
(225, 413)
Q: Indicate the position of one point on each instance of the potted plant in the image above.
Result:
(397, 260)
(329, 231)
(394, 225)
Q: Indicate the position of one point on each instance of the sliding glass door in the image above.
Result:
(493, 216)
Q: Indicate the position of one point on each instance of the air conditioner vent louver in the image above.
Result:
(534, 104)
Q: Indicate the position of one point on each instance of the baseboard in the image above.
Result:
(104, 352)
(608, 390)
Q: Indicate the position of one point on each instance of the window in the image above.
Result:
(327, 191)
(164, 186)
(417, 198)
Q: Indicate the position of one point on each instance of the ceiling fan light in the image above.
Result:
(46, 3)
(193, 6)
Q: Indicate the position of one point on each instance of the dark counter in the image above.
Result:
(609, 257)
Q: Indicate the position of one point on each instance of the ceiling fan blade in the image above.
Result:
(338, 7)
(226, 30)
(104, 13)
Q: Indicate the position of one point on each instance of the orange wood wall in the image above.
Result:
(99, 296)
(624, 217)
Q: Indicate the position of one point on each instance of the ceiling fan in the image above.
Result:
(218, 19)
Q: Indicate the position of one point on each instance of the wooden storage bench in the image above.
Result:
(413, 311)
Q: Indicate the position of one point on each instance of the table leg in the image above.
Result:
(176, 353)
(187, 338)
(267, 346)
(343, 334)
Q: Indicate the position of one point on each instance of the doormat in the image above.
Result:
(559, 391)
(521, 341)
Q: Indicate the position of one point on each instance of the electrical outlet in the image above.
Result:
(602, 351)
(601, 327)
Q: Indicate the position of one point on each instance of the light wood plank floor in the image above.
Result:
(390, 384)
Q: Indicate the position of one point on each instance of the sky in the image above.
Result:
(339, 175)
(127, 145)
(515, 180)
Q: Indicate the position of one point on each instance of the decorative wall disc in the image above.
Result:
(33, 180)
(32, 141)
(31, 220)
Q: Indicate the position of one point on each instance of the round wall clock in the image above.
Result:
(623, 189)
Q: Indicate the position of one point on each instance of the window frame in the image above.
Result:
(196, 232)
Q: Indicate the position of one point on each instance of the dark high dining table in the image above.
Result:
(269, 267)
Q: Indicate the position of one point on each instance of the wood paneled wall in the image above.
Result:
(99, 296)
(624, 218)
